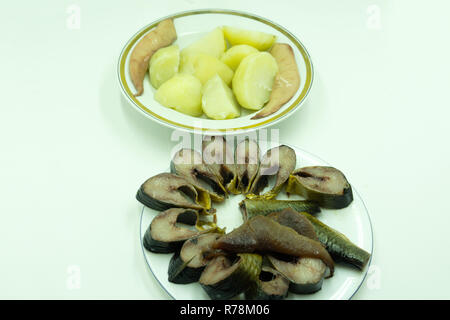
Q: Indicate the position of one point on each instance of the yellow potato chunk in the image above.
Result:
(218, 101)
(164, 65)
(257, 39)
(233, 56)
(182, 92)
(204, 67)
(253, 80)
(212, 43)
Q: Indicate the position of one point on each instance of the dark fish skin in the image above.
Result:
(179, 273)
(263, 234)
(338, 245)
(188, 263)
(253, 207)
(292, 219)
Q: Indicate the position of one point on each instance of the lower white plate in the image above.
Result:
(353, 221)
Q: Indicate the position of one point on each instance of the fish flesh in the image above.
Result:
(166, 190)
(187, 265)
(263, 234)
(287, 80)
(219, 158)
(228, 276)
(304, 274)
(270, 285)
(325, 185)
(246, 155)
(277, 162)
(189, 164)
(292, 219)
(169, 229)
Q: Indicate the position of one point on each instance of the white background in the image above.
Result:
(73, 152)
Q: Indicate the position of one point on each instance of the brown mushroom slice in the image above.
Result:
(287, 80)
(162, 36)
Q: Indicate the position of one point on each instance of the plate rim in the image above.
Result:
(294, 106)
(354, 189)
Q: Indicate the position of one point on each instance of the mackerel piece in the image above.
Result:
(299, 223)
(338, 245)
(218, 158)
(325, 185)
(305, 274)
(270, 285)
(246, 155)
(187, 265)
(226, 277)
(259, 206)
(277, 162)
(168, 230)
(166, 190)
(189, 164)
(263, 234)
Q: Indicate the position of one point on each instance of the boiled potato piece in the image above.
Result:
(212, 43)
(257, 39)
(182, 92)
(253, 80)
(218, 101)
(233, 56)
(204, 67)
(164, 65)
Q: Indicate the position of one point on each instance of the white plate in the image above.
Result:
(190, 26)
(353, 221)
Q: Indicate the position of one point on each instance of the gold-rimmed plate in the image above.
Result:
(190, 26)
